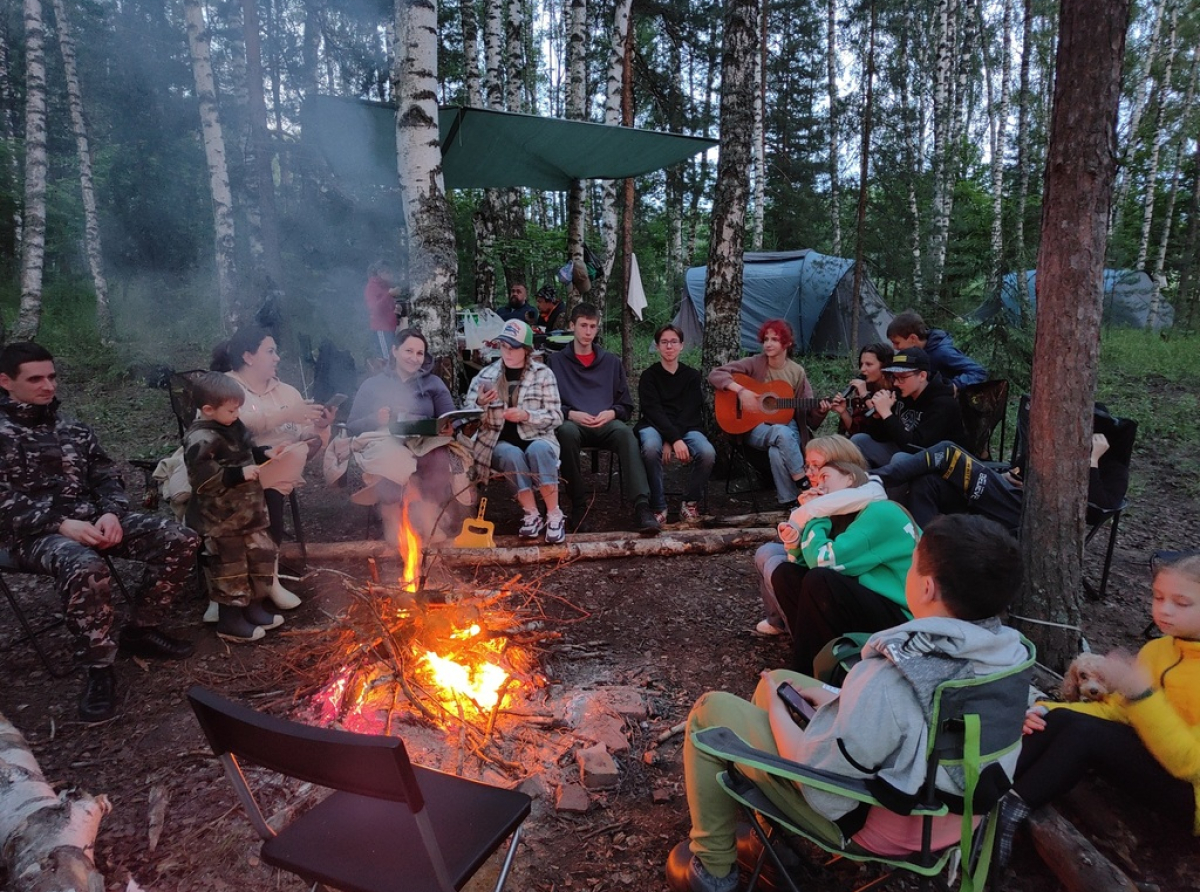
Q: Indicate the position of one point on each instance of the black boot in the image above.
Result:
(235, 627)
(258, 613)
(99, 700)
(151, 641)
(645, 522)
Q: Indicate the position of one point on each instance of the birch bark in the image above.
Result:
(576, 110)
(1162, 91)
(612, 117)
(1142, 93)
(1023, 163)
(432, 261)
(232, 311)
(999, 145)
(33, 241)
(835, 211)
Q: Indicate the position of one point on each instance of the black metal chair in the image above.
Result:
(984, 407)
(9, 565)
(388, 825)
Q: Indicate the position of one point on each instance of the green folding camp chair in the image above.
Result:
(974, 723)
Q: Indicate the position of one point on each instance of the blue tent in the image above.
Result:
(812, 291)
(1127, 297)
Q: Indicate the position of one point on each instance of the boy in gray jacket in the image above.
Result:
(965, 571)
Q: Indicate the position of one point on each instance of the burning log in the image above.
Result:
(585, 546)
(48, 840)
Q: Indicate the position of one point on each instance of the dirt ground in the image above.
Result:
(672, 627)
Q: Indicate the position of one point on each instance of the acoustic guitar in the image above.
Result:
(779, 405)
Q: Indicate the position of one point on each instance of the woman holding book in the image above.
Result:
(516, 439)
(407, 390)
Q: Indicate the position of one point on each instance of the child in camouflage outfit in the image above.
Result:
(229, 511)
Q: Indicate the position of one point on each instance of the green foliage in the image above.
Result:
(1154, 379)
(1005, 350)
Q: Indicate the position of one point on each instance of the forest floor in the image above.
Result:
(670, 628)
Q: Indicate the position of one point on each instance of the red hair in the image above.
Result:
(780, 329)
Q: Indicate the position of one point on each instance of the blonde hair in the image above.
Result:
(837, 448)
(1188, 567)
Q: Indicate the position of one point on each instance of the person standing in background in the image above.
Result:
(380, 298)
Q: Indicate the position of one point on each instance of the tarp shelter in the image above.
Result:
(487, 149)
(814, 292)
(1127, 296)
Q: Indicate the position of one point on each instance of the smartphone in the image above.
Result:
(800, 709)
(335, 401)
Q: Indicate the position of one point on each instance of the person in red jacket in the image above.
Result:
(380, 298)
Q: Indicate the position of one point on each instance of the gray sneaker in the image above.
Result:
(531, 526)
(556, 530)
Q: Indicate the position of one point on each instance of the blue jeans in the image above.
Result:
(766, 560)
(704, 456)
(520, 468)
(876, 452)
(781, 442)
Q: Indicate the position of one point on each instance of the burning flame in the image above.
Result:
(410, 546)
(480, 682)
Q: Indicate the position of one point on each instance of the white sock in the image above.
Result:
(556, 514)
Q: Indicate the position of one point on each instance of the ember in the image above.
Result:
(480, 682)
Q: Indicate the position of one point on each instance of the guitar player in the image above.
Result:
(783, 441)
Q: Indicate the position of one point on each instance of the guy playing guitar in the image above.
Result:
(784, 387)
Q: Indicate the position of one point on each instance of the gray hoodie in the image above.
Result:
(878, 725)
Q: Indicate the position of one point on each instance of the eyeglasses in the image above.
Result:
(665, 343)
(902, 375)
(813, 469)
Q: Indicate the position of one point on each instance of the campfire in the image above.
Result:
(443, 656)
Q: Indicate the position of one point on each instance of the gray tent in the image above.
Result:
(1127, 296)
(811, 291)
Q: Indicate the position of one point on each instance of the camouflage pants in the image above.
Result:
(239, 569)
(84, 581)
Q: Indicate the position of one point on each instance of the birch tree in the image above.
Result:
(1079, 176)
(432, 261)
(942, 113)
(612, 118)
(835, 211)
(1024, 97)
(1142, 92)
(999, 132)
(33, 242)
(864, 170)
(726, 263)
(758, 173)
(1162, 91)
(576, 110)
(91, 220)
(232, 311)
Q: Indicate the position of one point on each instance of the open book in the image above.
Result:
(431, 427)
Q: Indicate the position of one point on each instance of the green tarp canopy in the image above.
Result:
(486, 149)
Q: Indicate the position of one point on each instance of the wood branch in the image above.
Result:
(583, 546)
(48, 840)
(1077, 863)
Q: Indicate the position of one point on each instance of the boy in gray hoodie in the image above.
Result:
(965, 571)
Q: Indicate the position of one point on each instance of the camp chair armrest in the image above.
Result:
(725, 744)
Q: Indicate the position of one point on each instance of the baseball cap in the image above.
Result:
(911, 359)
(516, 334)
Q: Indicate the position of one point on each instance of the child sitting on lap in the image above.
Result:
(965, 571)
(229, 510)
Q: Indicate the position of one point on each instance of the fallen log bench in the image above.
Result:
(511, 550)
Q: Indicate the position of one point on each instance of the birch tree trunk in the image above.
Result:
(233, 313)
(91, 220)
(487, 216)
(942, 112)
(612, 117)
(432, 261)
(726, 264)
(1000, 130)
(1163, 90)
(1079, 177)
(913, 160)
(1189, 294)
(759, 159)
(835, 210)
(33, 242)
(864, 170)
(1023, 162)
(47, 839)
(576, 110)
(1173, 190)
(1142, 92)
(470, 32)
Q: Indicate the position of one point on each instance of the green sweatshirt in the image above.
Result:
(876, 549)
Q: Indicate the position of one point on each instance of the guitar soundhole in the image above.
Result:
(769, 403)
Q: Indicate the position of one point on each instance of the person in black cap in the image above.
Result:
(916, 414)
(552, 315)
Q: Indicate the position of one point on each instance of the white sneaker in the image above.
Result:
(689, 512)
(531, 526)
(766, 627)
(556, 529)
(661, 517)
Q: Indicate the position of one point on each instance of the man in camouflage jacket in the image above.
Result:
(62, 505)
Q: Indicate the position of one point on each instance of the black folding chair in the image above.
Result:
(9, 565)
(388, 825)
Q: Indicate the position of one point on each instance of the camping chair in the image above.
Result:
(751, 465)
(983, 406)
(974, 723)
(8, 564)
(388, 825)
(183, 406)
(1121, 434)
